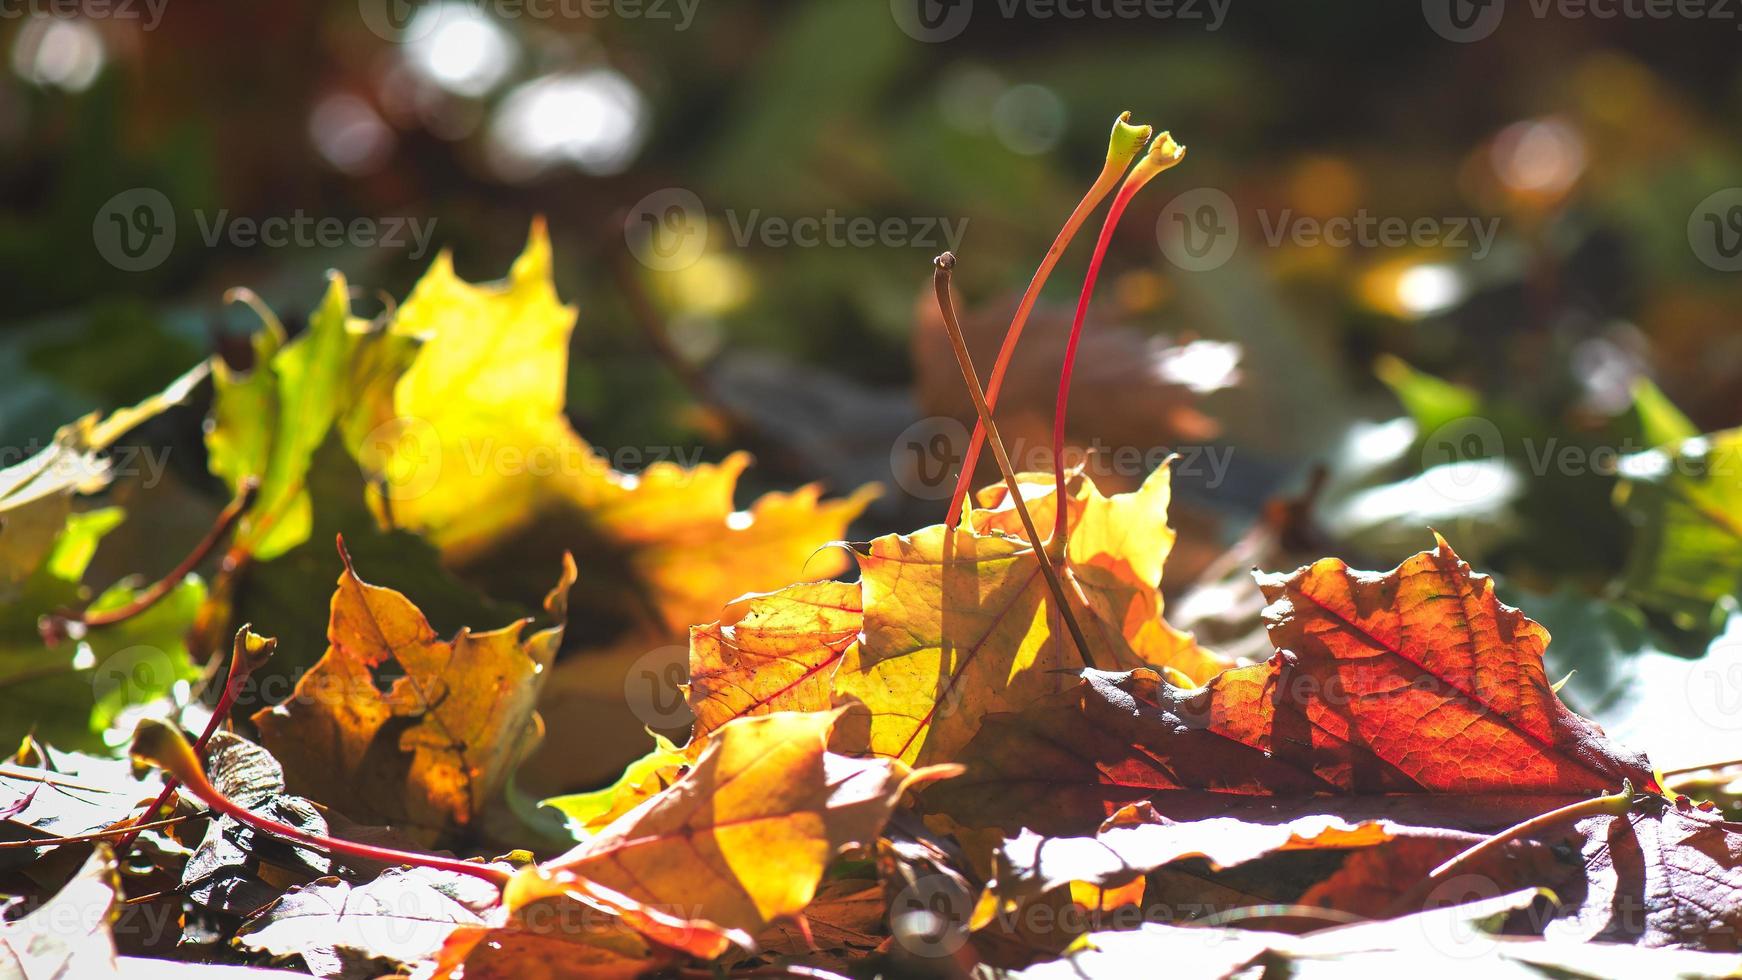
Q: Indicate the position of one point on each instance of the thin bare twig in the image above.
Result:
(941, 283)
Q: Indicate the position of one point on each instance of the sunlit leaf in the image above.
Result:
(404, 727)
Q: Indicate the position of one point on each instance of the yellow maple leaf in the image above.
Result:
(771, 652)
(961, 624)
(744, 837)
(481, 460)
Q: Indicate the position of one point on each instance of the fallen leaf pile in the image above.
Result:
(880, 757)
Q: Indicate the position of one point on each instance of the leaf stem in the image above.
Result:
(163, 746)
(1684, 770)
(247, 654)
(1614, 804)
(943, 265)
(1163, 154)
(57, 626)
(1122, 147)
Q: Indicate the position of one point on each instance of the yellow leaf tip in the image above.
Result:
(1126, 141)
(161, 745)
(1164, 150)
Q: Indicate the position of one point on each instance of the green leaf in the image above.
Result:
(1660, 422)
(267, 423)
(70, 693)
(1685, 502)
(1428, 400)
(589, 813)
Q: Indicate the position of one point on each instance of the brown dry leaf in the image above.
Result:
(960, 625)
(845, 921)
(743, 839)
(404, 727)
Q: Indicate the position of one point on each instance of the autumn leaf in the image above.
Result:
(1137, 840)
(37, 494)
(1428, 657)
(1464, 934)
(481, 459)
(553, 938)
(1399, 703)
(1667, 875)
(845, 921)
(268, 421)
(585, 814)
(433, 747)
(229, 868)
(960, 625)
(744, 837)
(292, 592)
(69, 936)
(71, 793)
(70, 692)
(401, 918)
(771, 652)
(1415, 681)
